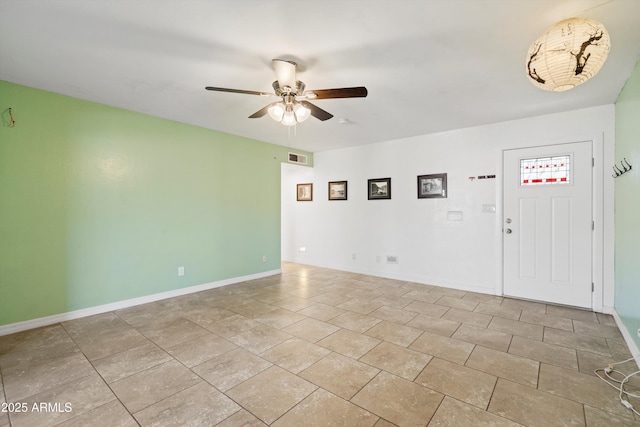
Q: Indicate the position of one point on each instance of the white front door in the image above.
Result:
(547, 223)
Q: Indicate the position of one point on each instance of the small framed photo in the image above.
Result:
(338, 190)
(379, 188)
(432, 186)
(304, 192)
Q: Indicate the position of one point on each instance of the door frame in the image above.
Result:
(598, 214)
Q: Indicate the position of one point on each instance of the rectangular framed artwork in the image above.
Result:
(304, 192)
(379, 188)
(432, 186)
(338, 190)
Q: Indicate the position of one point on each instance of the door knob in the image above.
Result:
(508, 231)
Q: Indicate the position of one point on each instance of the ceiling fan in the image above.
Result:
(293, 106)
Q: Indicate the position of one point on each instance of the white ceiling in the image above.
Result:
(429, 65)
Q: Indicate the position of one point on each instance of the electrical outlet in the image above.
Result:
(180, 271)
(264, 258)
(638, 332)
(353, 257)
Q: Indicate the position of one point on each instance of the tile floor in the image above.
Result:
(318, 347)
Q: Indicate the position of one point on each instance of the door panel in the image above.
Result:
(547, 223)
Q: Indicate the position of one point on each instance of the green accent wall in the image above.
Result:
(100, 204)
(627, 199)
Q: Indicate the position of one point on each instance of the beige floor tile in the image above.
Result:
(528, 306)
(596, 329)
(137, 359)
(455, 293)
(37, 376)
(393, 314)
(484, 337)
(349, 343)
(422, 296)
(200, 349)
(399, 401)
(597, 418)
(580, 387)
(453, 413)
(45, 337)
(241, 418)
(321, 311)
(434, 324)
(260, 338)
(98, 324)
(393, 300)
(201, 405)
(395, 333)
(360, 305)
(606, 319)
(544, 352)
(577, 341)
(231, 368)
(311, 330)
(531, 407)
(498, 311)
(483, 298)
(468, 317)
(572, 313)
(547, 320)
(462, 304)
(105, 344)
(145, 388)
(175, 333)
(295, 354)
(279, 318)
(355, 321)
(400, 361)
(271, 393)
(468, 385)
(252, 307)
(82, 395)
(384, 423)
(339, 374)
(295, 303)
(109, 414)
(233, 325)
(508, 326)
(443, 347)
(329, 298)
(413, 286)
(427, 308)
(207, 316)
(504, 365)
(322, 408)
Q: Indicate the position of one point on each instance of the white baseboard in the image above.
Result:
(633, 348)
(76, 314)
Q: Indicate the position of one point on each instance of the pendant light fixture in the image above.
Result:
(567, 54)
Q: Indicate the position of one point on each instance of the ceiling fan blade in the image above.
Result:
(317, 112)
(248, 92)
(261, 112)
(285, 72)
(345, 92)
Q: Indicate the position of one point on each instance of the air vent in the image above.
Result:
(300, 159)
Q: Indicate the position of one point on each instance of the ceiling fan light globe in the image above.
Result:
(301, 112)
(276, 111)
(289, 118)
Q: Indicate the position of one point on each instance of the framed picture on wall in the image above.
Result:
(338, 190)
(432, 186)
(379, 188)
(304, 192)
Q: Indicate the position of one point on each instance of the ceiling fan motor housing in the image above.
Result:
(286, 90)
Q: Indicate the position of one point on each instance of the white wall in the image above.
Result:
(463, 254)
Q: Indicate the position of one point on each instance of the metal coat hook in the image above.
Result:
(626, 167)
